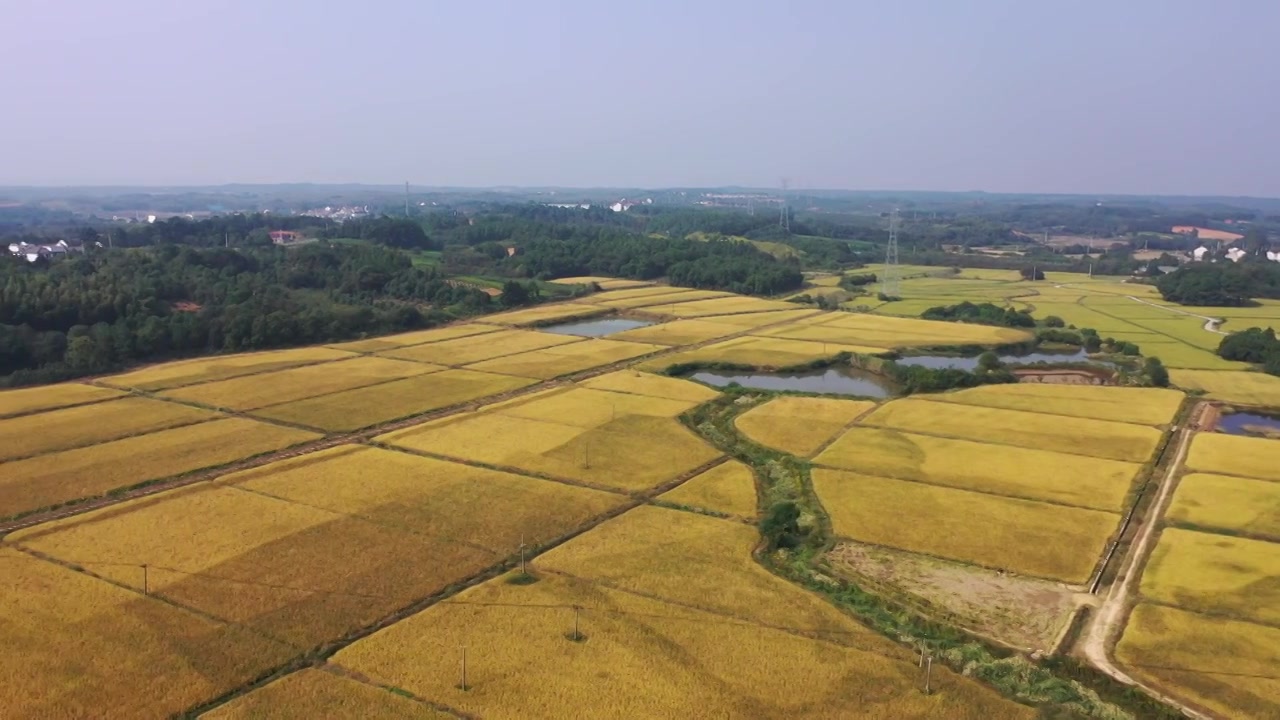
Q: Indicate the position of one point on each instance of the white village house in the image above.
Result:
(33, 251)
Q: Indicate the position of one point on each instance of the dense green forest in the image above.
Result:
(981, 313)
(152, 291)
(1226, 284)
(1254, 345)
(106, 309)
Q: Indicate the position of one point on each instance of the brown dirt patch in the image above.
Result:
(1206, 233)
(1061, 377)
(1022, 612)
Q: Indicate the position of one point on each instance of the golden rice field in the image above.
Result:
(658, 302)
(485, 508)
(760, 319)
(1216, 574)
(633, 292)
(1226, 666)
(680, 332)
(605, 283)
(80, 647)
(799, 425)
(701, 562)
(274, 388)
(417, 337)
(540, 314)
(1235, 455)
(1228, 503)
(1144, 406)
(630, 452)
(1239, 387)
(312, 693)
(729, 488)
(82, 425)
(590, 408)
(759, 352)
(644, 658)
(1087, 482)
(60, 477)
(49, 397)
(888, 332)
(561, 360)
(364, 407)
(474, 348)
(220, 367)
(636, 382)
(313, 547)
(1095, 438)
(732, 304)
(1022, 536)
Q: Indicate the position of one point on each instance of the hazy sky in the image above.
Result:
(1126, 96)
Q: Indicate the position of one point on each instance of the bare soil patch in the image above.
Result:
(1021, 612)
(1061, 377)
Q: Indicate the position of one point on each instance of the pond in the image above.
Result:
(942, 362)
(596, 328)
(833, 381)
(1249, 424)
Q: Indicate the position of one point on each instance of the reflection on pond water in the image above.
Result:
(596, 328)
(942, 362)
(833, 381)
(1249, 424)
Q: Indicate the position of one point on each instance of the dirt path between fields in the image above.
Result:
(1108, 621)
(1210, 324)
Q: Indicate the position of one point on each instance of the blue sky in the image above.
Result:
(1125, 96)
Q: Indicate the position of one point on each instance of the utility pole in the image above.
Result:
(146, 584)
(522, 554)
(577, 634)
(406, 198)
(928, 672)
(463, 684)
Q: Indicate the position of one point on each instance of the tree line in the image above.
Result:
(1224, 284)
(105, 310)
(1254, 345)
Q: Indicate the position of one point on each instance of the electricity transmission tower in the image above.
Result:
(784, 218)
(889, 285)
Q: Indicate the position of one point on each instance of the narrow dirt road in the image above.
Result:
(1108, 620)
(1210, 324)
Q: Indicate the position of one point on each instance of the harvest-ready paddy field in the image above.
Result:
(325, 529)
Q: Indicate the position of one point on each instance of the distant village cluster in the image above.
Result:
(47, 251)
(346, 212)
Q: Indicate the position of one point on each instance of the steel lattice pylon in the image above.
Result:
(889, 282)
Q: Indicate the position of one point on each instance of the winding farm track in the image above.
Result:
(78, 507)
(1108, 622)
(1210, 323)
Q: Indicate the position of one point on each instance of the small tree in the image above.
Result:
(781, 525)
(1156, 372)
(989, 361)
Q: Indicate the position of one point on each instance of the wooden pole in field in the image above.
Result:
(463, 686)
(928, 671)
(146, 585)
(522, 554)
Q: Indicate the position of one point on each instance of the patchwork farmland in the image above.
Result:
(330, 531)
